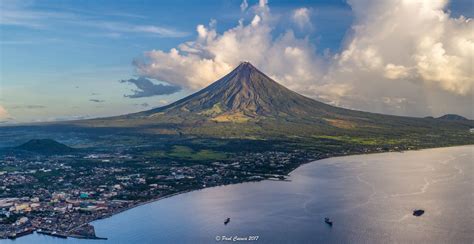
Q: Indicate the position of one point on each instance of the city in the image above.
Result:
(58, 196)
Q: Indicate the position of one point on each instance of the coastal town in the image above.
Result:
(56, 195)
(60, 195)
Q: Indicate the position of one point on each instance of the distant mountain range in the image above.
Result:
(246, 103)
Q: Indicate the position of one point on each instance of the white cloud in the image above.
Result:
(394, 72)
(118, 27)
(244, 5)
(450, 70)
(410, 49)
(301, 17)
(256, 20)
(18, 13)
(195, 64)
(421, 37)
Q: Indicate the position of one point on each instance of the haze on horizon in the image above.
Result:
(69, 60)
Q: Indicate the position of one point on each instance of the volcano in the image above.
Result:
(248, 103)
(247, 92)
(247, 95)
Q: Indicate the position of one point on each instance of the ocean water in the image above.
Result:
(370, 199)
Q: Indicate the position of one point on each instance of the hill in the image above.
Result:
(453, 117)
(45, 146)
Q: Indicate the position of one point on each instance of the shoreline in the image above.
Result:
(266, 177)
(333, 156)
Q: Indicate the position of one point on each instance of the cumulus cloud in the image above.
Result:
(146, 88)
(301, 17)
(396, 71)
(431, 45)
(413, 49)
(195, 64)
(401, 57)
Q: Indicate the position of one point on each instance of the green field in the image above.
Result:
(187, 153)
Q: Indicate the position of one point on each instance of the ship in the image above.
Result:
(418, 212)
(328, 221)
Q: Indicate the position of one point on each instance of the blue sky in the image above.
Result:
(64, 59)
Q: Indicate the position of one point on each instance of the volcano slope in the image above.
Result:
(247, 104)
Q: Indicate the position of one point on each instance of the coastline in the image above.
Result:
(315, 160)
(68, 234)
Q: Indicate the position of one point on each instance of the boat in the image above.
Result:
(328, 221)
(227, 221)
(418, 212)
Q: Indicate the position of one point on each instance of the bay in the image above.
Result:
(370, 198)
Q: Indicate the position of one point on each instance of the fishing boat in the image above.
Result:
(328, 221)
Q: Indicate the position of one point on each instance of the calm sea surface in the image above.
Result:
(370, 198)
